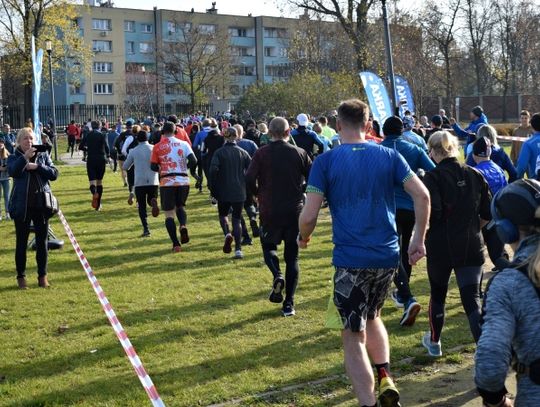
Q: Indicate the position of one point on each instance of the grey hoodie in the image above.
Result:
(140, 157)
(511, 321)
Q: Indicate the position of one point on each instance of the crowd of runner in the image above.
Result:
(415, 198)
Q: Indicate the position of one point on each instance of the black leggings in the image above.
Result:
(290, 256)
(468, 280)
(22, 231)
(405, 224)
(144, 195)
(223, 209)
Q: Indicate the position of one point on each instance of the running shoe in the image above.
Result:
(276, 295)
(388, 393)
(246, 241)
(412, 308)
(130, 199)
(155, 207)
(177, 249)
(394, 296)
(213, 201)
(254, 227)
(288, 310)
(238, 254)
(433, 348)
(95, 201)
(146, 233)
(227, 244)
(184, 237)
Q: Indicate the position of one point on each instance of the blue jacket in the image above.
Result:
(111, 137)
(21, 180)
(493, 175)
(499, 157)
(527, 156)
(471, 128)
(415, 157)
(199, 138)
(412, 137)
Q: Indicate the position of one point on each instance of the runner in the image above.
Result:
(366, 246)
(146, 180)
(530, 151)
(417, 160)
(461, 199)
(276, 176)
(494, 176)
(97, 156)
(118, 144)
(228, 185)
(511, 318)
(171, 158)
(305, 138)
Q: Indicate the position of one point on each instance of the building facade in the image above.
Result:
(127, 67)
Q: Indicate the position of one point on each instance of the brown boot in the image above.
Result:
(21, 282)
(42, 281)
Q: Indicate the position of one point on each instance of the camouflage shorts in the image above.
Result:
(359, 294)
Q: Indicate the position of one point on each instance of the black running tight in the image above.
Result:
(468, 280)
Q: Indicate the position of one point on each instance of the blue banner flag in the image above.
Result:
(378, 99)
(404, 95)
(37, 61)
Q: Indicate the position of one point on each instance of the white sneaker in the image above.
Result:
(238, 254)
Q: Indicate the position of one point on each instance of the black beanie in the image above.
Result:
(393, 126)
(477, 111)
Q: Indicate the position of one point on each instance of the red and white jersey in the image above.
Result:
(171, 155)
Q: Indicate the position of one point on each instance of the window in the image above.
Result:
(103, 67)
(238, 32)
(270, 32)
(129, 25)
(186, 27)
(101, 46)
(245, 70)
(74, 89)
(207, 28)
(172, 89)
(234, 90)
(270, 51)
(130, 48)
(284, 52)
(209, 49)
(103, 88)
(145, 47)
(147, 28)
(280, 71)
(242, 51)
(171, 27)
(100, 24)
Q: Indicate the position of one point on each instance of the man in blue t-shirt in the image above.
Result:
(530, 151)
(358, 178)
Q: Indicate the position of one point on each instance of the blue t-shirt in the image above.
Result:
(493, 174)
(358, 181)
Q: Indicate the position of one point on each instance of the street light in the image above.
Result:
(48, 47)
(143, 70)
(390, 63)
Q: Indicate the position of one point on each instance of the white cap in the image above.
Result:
(302, 119)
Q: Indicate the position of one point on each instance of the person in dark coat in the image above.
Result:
(31, 172)
(460, 201)
(228, 185)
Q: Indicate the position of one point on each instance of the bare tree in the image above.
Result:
(352, 15)
(479, 22)
(197, 60)
(440, 27)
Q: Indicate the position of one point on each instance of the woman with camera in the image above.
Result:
(31, 171)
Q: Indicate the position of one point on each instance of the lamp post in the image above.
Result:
(48, 47)
(389, 61)
(143, 70)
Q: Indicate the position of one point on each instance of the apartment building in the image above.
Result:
(126, 45)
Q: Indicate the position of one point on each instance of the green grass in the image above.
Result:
(200, 321)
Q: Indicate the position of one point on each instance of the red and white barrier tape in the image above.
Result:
(509, 138)
(118, 329)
